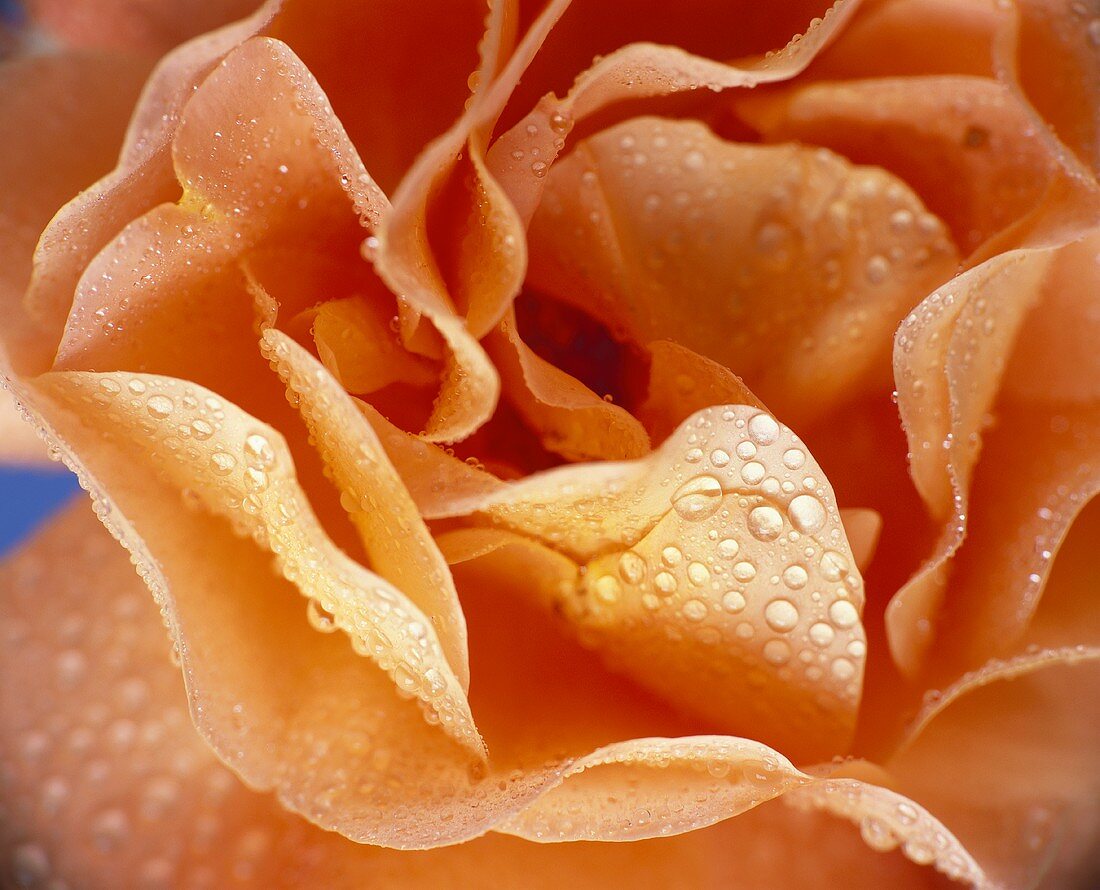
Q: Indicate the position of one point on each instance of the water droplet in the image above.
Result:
(258, 452)
(753, 472)
(671, 556)
(822, 634)
(698, 498)
(843, 614)
(719, 458)
(744, 571)
(807, 514)
(632, 567)
(746, 450)
(765, 523)
(781, 615)
(695, 160)
(833, 565)
(733, 601)
(727, 548)
(694, 610)
(795, 577)
(794, 458)
(698, 574)
(878, 267)
(843, 669)
(320, 618)
(160, 406)
(223, 462)
(777, 652)
(665, 582)
(607, 589)
(763, 429)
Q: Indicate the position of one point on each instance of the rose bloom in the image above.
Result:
(578, 444)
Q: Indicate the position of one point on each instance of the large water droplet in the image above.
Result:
(765, 523)
(807, 514)
(698, 498)
(781, 615)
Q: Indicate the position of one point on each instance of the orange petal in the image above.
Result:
(272, 118)
(716, 572)
(489, 259)
(1037, 468)
(682, 382)
(45, 99)
(570, 419)
(966, 145)
(107, 783)
(397, 542)
(915, 37)
(520, 158)
(356, 343)
(1055, 64)
(1007, 758)
(436, 480)
(142, 180)
(126, 25)
(791, 258)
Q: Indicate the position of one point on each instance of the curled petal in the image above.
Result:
(711, 569)
(240, 469)
(142, 180)
(965, 144)
(1006, 758)
(397, 542)
(571, 420)
(792, 259)
(960, 381)
(637, 71)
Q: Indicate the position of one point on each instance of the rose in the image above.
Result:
(680, 577)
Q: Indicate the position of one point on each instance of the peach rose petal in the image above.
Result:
(19, 440)
(356, 344)
(569, 418)
(436, 481)
(398, 544)
(45, 99)
(128, 25)
(964, 144)
(682, 382)
(1057, 66)
(716, 572)
(259, 156)
(106, 781)
(142, 179)
(791, 257)
(240, 469)
(1038, 469)
(1006, 757)
(915, 37)
(490, 261)
(887, 820)
(521, 157)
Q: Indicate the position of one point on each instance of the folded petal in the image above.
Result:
(142, 179)
(1006, 442)
(570, 419)
(1055, 63)
(521, 157)
(714, 571)
(1006, 757)
(106, 781)
(792, 260)
(965, 145)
